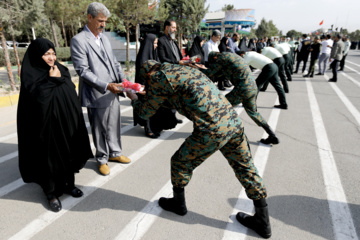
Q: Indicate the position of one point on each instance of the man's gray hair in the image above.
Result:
(216, 33)
(95, 8)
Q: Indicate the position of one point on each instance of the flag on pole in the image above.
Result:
(321, 22)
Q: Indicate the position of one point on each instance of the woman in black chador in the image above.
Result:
(242, 45)
(196, 49)
(52, 137)
(164, 118)
(223, 46)
(252, 45)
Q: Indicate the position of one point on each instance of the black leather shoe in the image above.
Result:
(341, 70)
(282, 106)
(319, 74)
(75, 192)
(55, 204)
(179, 120)
(307, 75)
(262, 90)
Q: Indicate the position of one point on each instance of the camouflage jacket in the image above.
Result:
(233, 67)
(193, 95)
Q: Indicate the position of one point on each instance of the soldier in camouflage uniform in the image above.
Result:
(216, 127)
(234, 68)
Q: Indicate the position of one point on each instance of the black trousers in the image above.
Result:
(269, 73)
(280, 63)
(334, 66)
(342, 62)
(303, 58)
(312, 66)
(288, 66)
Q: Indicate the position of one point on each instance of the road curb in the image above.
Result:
(13, 99)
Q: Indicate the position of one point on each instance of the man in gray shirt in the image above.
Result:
(336, 56)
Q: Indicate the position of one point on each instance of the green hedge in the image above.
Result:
(62, 54)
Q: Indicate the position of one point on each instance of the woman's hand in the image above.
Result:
(54, 71)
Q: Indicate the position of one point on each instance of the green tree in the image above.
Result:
(355, 35)
(10, 15)
(228, 7)
(263, 30)
(293, 34)
(252, 33)
(187, 14)
(273, 29)
(133, 13)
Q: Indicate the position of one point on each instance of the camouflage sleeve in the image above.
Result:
(234, 96)
(155, 96)
(213, 70)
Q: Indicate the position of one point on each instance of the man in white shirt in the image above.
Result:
(212, 46)
(346, 50)
(269, 73)
(278, 59)
(325, 54)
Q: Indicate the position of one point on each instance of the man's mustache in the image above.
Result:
(101, 27)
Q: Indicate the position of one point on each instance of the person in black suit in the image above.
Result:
(168, 49)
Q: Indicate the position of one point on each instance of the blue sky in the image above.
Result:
(301, 15)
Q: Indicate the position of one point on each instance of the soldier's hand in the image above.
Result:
(54, 71)
(132, 96)
(200, 66)
(114, 87)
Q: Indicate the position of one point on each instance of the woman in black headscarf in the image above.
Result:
(164, 118)
(223, 46)
(196, 48)
(252, 45)
(242, 45)
(53, 140)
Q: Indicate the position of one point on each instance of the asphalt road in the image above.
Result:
(312, 176)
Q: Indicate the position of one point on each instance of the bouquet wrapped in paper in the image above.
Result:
(193, 59)
(128, 86)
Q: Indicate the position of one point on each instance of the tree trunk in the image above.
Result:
(137, 38)
(54, 32)
(64, 32)
(16, 55)
(72, 30)
(7, 59)
(128, 48)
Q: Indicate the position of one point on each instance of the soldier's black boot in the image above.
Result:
(227, 83)
(176, 204)
(221, 85)
(260, 222)
(272, 139)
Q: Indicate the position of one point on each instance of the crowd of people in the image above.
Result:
(58, 135)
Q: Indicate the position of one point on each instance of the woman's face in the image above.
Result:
(50, 57)
(202, 43)
(155, 43)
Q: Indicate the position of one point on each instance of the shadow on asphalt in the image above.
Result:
(306, 213)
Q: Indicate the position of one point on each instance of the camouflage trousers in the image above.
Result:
(247, 97)
(250, 107)
(235, 148)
